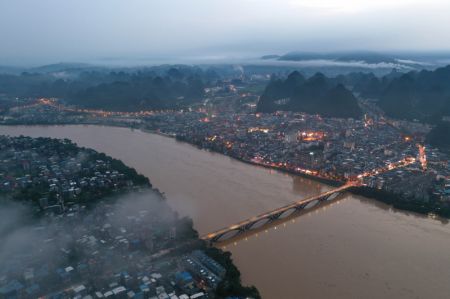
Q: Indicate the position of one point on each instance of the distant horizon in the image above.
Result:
(48, 31)
(244, 58)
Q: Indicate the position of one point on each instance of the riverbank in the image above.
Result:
(320, 179)
(395, 200)
(101, 182)
(216, 191)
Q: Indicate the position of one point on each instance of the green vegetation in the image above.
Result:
(439, 136)
(231, 285)
(48, 153)
(141, 93)
(316, 95)
(118, 165)
(421, 95)
(166, 88)
(106, 186)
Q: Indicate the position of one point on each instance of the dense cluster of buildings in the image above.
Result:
(54, 173)
(379, 153)
(336, 149)
(52, 111)
(40, 112)
(128, 244)
(128, 249)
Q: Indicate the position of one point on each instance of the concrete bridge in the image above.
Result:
(283, 212)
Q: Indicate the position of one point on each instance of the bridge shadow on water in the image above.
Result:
(278, 224)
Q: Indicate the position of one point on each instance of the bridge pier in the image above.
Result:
(249, 224)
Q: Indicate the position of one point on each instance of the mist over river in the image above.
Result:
(352, 248)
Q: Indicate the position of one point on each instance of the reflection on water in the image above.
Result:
(302, 185)
(353, 248)
(386, 207)
(276, 225)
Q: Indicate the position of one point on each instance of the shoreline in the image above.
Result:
(230, 284)
(323, 180)
(393, 200)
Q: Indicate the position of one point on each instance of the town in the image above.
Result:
(386, 155)
(97, 228)
(376, 152)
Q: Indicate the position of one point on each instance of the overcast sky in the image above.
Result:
(44, 31)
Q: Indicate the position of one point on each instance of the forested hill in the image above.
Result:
(316, 95)
(423, 95)
(125, 91)
(140, 93)
(440, 136)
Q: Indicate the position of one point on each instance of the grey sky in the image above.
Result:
(43, 31)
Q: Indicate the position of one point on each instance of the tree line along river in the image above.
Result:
(354, 247)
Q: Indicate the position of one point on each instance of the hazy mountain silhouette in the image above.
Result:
(316, 95)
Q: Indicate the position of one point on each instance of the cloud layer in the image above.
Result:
(53, 30)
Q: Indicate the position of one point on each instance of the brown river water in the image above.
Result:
(352, 248)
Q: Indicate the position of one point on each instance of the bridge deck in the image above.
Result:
(275, 212)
